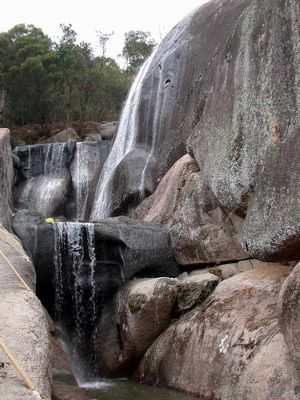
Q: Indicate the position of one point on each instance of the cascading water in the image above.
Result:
(75, 295)
(124, 143)
(81, 181)
(45, 177)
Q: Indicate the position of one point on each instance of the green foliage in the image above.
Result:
(137, 48)
(64, 81)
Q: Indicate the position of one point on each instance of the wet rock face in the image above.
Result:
(229, 347)
(85, 170)
(123, 248)
(59, 178)
(6, 178)
(139, 312)
(239, 107)
(133, 181)
(44, 159)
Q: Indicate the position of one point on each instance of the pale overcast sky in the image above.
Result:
(156, 16)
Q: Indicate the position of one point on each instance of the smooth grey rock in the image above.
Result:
(23, 326)
(139, 312)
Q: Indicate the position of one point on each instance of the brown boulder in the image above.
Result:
(229, 347)
(62, 136)
(201, 230)
(140, 311)
(289, 314)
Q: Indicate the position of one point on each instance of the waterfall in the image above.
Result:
(124, 143)
(81, 180)
(54, 158)
(46, 177)
(75, 294)
(50, 156)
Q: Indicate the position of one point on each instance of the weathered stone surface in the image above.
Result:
(224, 86)
(272, 226)
(229, 347)
(288, 315)
(23, 326)
(201, 230)
(229, 270)
(140, 311)
(6, 178)
(195, 289)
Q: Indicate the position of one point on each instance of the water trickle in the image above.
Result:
(124, 143)
(53, 156)
(75, 294)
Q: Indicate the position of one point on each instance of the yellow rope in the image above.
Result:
(28, 382)
(15, 271)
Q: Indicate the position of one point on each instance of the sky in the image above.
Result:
(89, 16)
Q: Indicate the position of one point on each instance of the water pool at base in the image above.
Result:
(122, 389)
(126, 390)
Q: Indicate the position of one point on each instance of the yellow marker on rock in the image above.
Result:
(50, 220)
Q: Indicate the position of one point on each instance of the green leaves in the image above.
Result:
(137, 48)
(49, 81)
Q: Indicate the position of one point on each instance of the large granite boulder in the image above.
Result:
(230, 346)
(6, 178)
(202, 231)
(139, 312)
(23, 326)
(224, 86)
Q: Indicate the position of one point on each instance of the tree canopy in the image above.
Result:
(137, 48)
(48, 81)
